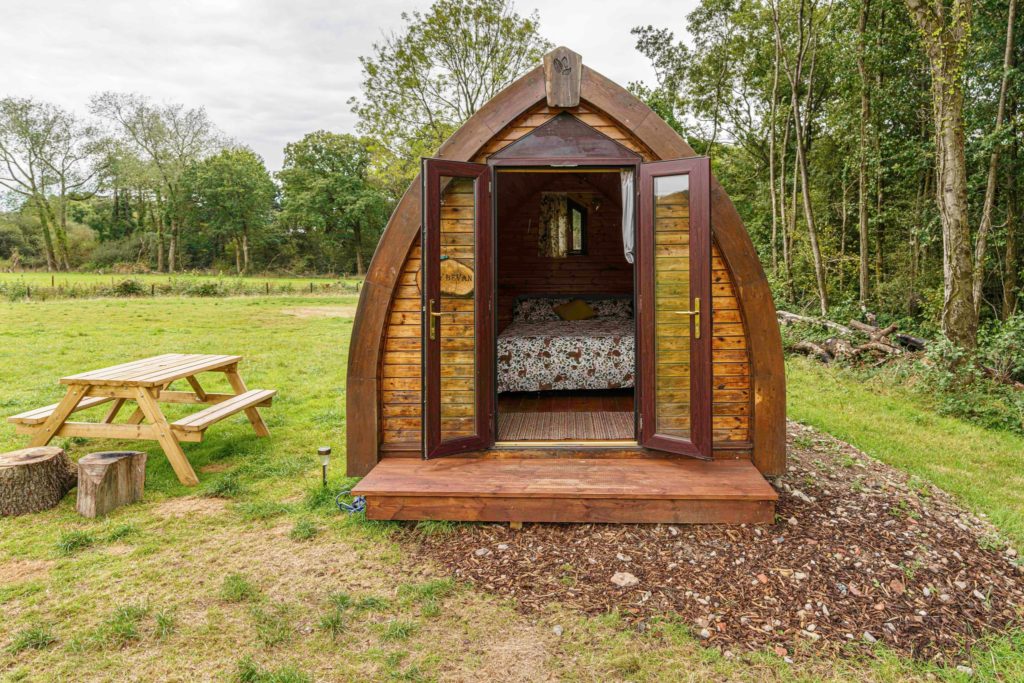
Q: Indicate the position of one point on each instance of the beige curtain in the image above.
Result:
(553, 235)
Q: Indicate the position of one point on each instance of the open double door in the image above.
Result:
(673, 302)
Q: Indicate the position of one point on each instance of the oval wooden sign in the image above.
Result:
(457, 279)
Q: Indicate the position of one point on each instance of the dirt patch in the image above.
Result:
(321, 311)
(215, 467)
(184, 507)
(860, 554)
(17, 571)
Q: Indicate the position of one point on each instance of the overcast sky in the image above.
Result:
(267, 71)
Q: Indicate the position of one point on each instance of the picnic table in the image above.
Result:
(147, 383)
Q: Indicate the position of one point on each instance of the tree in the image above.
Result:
(985, 225)
(171, 138)
(327, 193)
(423, 82)
(804, 52)
(233, 194)
(47, 161)
(945, 32)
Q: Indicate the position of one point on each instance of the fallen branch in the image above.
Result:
(812, 349)
(787, 318)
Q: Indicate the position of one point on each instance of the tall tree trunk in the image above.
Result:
(945, 42)
(63, 252)
(772, 109)
(245, 250)
(1011, 264)
(844, 212)
(357, 234)
(787, 256)
(879, 215)
(158, 224)
(42, 211)
(862, 156)
(172, 245)
(238, 256)
(985, 225)
(1011, 256)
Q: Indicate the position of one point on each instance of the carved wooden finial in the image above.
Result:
(563, 73)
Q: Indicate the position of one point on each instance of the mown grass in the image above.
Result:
(984, 468)
(256, 576)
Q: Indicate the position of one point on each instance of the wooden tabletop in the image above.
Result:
(154, 371)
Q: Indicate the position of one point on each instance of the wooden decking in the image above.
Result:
(566, 426)
(596, 415)
(568, 490)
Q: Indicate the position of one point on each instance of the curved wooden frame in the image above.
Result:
(752, 290)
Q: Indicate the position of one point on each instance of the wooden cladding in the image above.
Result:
(523, 271)
(585, 112)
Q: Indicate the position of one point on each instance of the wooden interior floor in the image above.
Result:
(605, 415)
(568, 490)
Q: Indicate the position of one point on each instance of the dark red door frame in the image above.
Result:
(700, 443)
(483, 309)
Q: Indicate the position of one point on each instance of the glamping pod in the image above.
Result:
(566, 321)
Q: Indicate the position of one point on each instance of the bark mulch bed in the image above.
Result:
(860, 553)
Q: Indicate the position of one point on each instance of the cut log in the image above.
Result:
(910, 343)
(34, 479)
(787, 318)
(813, 349)
(109, 480)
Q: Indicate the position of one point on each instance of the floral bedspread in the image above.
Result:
(559, 354)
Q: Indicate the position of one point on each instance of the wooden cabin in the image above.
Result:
(566, 321)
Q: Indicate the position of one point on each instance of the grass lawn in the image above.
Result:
(984, 468)
(257, 577)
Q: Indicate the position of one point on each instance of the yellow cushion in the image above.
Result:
(577, 309)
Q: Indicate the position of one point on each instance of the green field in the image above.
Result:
(43, 286)
(257, 577)
(44, 279)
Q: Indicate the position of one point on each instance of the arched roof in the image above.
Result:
(754, 295)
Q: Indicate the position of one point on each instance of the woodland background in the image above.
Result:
(871, 146)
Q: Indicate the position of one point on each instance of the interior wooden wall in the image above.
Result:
(521, 268)
(400, 372)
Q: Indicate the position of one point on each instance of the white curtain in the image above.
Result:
(628, 197)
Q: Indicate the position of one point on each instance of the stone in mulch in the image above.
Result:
(859, 554)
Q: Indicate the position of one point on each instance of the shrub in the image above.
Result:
(206, 288)
(128, 287)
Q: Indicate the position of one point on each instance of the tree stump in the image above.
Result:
(34, 479)
(109, 480)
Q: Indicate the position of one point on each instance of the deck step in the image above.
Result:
(38, 415)
(568, 490)
(198, 422)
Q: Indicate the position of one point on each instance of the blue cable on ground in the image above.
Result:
(358, 503)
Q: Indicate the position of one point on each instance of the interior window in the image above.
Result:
(577, 228)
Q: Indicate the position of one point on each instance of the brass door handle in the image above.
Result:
(434, 315)
(696, 316)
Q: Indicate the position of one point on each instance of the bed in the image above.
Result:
(541, 352)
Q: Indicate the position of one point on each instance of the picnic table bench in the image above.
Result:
(147, 383)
